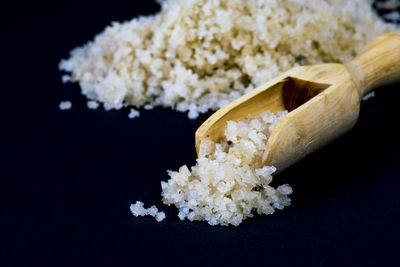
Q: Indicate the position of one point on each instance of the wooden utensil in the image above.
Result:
(323, 102)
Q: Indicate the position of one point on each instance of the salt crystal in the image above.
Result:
(152, 211)
(91, 104)
(65, 78)
(133, 113)
(392, 16)
(368, 96)
(138, 209)
(285, 189)
(65, 105)
(160, 216)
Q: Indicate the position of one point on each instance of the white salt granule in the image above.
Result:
(65, 105)
(138, 209)
(133, 113)
(285, 189)
(65, 78)
(92, 104)
(201, 54)
(160, 216)
(152, 211)
(181, 215)
(368, 96)
(392, 16)
(228, 183)
(148, 107)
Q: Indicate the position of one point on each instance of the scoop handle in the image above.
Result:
(378, 63)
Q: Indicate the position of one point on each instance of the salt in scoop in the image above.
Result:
(323, 102)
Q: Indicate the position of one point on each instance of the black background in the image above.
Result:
(69, 176)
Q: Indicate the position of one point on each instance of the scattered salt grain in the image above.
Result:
(65, 78)
(65, 105)
(133, 113)
(91, 104)
(138, 209)
(368, 96)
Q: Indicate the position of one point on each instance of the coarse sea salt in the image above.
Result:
(228, 184)
(138, 209)
(199, 55)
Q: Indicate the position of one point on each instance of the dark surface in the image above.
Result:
(69, 177)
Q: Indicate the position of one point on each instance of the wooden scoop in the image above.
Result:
(323, 102)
